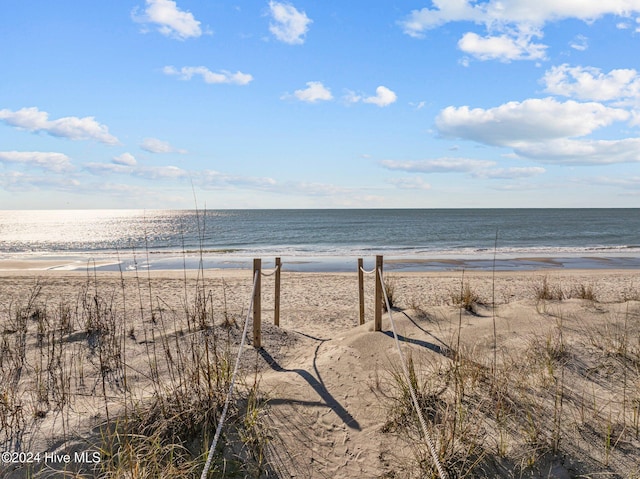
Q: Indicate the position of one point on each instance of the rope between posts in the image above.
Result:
(216, 437)
(367, 272)
(272, 273)
(414, 398)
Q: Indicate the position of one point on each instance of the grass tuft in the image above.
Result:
(390, 288)
(467, 299)
(548, 292)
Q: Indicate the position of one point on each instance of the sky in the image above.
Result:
(332, 104)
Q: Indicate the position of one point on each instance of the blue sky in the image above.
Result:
(269, 104)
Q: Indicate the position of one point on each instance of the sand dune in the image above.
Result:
(557, 397)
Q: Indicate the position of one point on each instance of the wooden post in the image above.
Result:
(276, 307)
(257, 307)
(378, 299)
(361, 289)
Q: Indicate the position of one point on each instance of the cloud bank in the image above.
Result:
(511, 25)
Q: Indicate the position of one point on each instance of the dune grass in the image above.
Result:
(566, 405)
(119, 373)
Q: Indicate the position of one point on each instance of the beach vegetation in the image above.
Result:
(467, 298)
(584, 291)
(545, 291)
(543, 410)
(152, 378)
(390, 288)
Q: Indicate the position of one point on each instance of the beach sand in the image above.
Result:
(558, 395)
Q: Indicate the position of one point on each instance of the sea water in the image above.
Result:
(413, 239)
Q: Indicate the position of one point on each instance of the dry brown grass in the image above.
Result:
(148, 382)
(567, 405)
(548, 291)
(467, 298)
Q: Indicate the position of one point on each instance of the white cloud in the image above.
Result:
(148, 172)
(511, 24)
(352, 97)
(126, 159)
(411, 183)
(314, 92)
(510, 173)
(99, 169)
(497, 13)
(307, 188)
(501, 47)
(153, 145)
(439, 165)
(208, 179)
(127, 193)
(582, 152)
(476, 168)
(531, 120)
(19, 182)
(632, 182)
(289, 25)
(31, 119)
(71, 127)
(160, 172)
(186, 73)
(171, 21)
(580, 43)
(55, 162)
(383, 97)
(445, 11)
(543, 130)
(588, 83)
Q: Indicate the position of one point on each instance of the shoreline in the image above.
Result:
(323, 264)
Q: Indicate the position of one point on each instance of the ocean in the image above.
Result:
(325, 240)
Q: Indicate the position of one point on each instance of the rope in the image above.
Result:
(414, 398)
(367, 272)
(212, 449)
(272, 273)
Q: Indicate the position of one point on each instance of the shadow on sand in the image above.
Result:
(317, 385)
